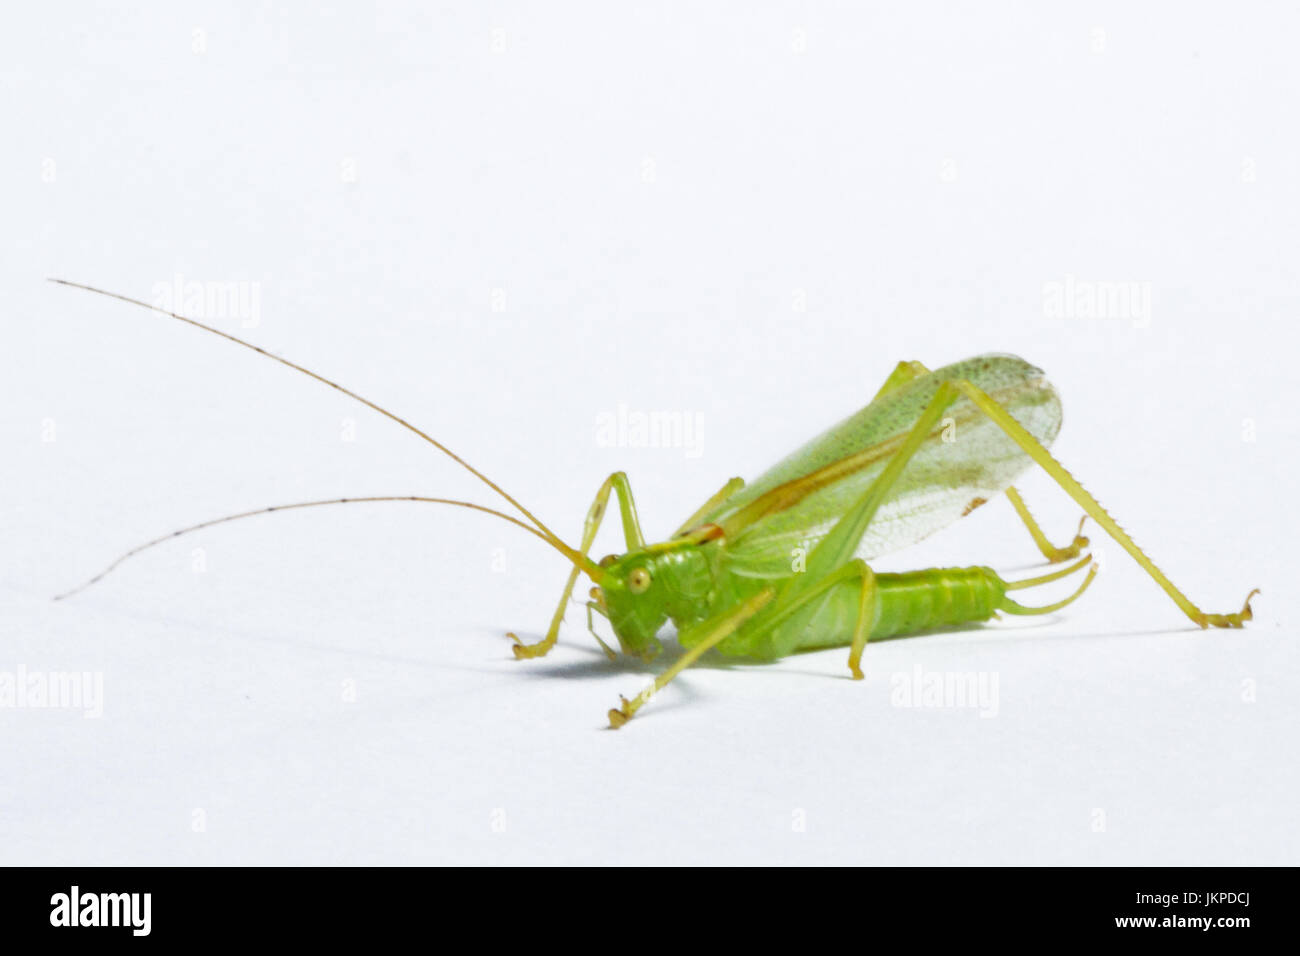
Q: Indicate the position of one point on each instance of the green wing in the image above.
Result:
(965, 462)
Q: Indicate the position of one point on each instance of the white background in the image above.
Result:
(503, 221)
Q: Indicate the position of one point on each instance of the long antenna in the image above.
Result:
(570, 553)
(555, 539)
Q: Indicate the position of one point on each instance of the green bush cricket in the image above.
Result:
(777, 566)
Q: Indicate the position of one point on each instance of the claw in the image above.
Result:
(1080, 539)
(523, 650)
(621, 714)
(1232, 620)
(1074, 548)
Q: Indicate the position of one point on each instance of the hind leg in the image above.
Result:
(1043, 458)
(905, 372)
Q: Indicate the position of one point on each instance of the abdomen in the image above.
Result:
(904, 604)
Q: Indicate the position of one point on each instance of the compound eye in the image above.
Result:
(638, 582)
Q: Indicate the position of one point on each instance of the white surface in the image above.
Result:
(649, 194)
